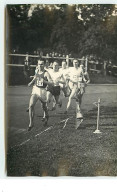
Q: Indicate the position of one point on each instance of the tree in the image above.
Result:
(18, 26)
(89, 29)
(95, 36)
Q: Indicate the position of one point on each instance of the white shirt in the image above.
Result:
(56, 77)
(49, 70)
(65, 72)
(75, 74)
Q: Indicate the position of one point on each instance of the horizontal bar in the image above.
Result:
(20, 65)
(36, 56)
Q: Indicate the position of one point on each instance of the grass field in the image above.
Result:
(59, 149)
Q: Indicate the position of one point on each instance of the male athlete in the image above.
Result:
(76, 77)
(41, 80)
(65, 71)
(57, 78)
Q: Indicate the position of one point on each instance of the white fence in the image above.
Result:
(89, 65)
(27, 56)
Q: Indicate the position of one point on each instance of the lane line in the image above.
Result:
(66, 123)
(44, 131)
(24, 142)
(49, 128)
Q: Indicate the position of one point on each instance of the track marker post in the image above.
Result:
(98, 116)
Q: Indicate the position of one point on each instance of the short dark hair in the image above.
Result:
(75, 59)
(47, 60)
(41, 63)
(64, 61)
(41, 59)
(56, 61)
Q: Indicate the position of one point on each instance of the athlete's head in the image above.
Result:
(47, 63)
(82, 67)
(75, 63)
(64, 64)
(41, 64)
(55, 66)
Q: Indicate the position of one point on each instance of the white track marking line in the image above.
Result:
(44, 131)
(20, 144)
(65, 120)
(21, 130)
(24, 142)
(66, 123)
(16, 130)
(49, 128)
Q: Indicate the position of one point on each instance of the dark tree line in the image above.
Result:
(89, 29)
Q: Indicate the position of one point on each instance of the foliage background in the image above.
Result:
(79, 29)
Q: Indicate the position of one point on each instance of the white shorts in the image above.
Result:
(73, 86)
(77, 89)
(41, 93)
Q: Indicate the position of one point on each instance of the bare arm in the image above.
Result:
(49, 79)
(32, 82)
(86, 75)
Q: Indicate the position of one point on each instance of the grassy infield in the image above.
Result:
(101, 79)
(58, 151)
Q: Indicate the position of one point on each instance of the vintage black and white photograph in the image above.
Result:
(61, 90)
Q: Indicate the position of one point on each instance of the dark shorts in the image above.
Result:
(54, 90)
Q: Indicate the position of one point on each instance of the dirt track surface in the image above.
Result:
(59, 149)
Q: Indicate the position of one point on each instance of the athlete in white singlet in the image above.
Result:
(57, 78)
(65, 71)
(75, 78)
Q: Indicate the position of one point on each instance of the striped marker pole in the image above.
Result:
(98, 116)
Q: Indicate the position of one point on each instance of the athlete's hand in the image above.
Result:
(29, 84)
(31, 77)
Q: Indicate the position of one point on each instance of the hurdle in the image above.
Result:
(98, 115)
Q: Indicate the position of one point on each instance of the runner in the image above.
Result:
(57, 78)
(76, 77)
(85, 79)
(65, 71)
(49, 68)
(41, 79)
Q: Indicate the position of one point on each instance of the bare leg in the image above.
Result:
(32, 103)
(53, 103)
(45, 109)
(70, 97)
(78, 107)
(49, 97)
(46, 116)
(66, 91)
(58, 100)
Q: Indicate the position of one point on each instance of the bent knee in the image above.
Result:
(31, 106)
(44, 106)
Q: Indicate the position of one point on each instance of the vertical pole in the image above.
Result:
(26, 60)
(67, 60)
(86, 64)
(98, 115)
(104, 68)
